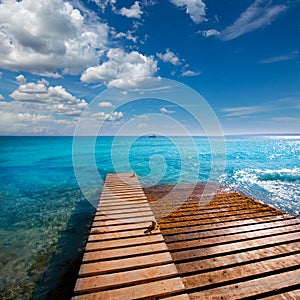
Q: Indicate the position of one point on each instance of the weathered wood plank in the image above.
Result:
(124, 197)
(232, 247)
(214, 220)
(292, 295)
(151, 289)
(233, 237)
(245, 270)
(123, 211)
(117, 228)
(123, 221)
(238, 258)
(178, 297)
(195, 219)
(125, 205)
(250, 288)
(108, 281)
(102, 236)
(125, 202)
(146, 239)
(235, 227)
(125, 263)
(104, 217)
(129, 251)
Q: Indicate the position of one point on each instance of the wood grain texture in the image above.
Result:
(123, 259)
(232, 248)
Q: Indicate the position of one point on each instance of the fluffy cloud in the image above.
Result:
(196, 9)
(114, 116)
(44, 36)
(122, 70)
(170, 57)
(127, 35)
(54, 99)
(260, 13)
(1, 97)
(208, 33)
(104, 3)
(165, 111)
(23, 118)
(105, 104)
(40, 109)
(133, 12)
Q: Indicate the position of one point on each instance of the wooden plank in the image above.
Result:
(116, 235)
(124, 211)
(199, 213)
(291, 295)
(235, 227)
(129, 251)
(104, 216)
(121, 194)
(178, 297)
(124, 221)
(151, 289)
(215, 220)
(128, 205)
(196, 219)
(127, 187)
(237, 258)
(151, 238)
(124, 198)
(116, 228)
(250, 288)
(122, 201)
(245, 270)
(125, 263)
(233, 237)
(108, 281)
(234, 246)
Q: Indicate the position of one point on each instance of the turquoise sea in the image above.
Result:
(44, 216)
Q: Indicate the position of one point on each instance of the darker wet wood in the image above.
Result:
(233, 247)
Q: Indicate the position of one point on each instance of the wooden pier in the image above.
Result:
(123, 258)
(232, 248)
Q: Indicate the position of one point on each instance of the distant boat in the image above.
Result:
(152, 136)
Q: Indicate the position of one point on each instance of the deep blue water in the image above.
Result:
(44, 215)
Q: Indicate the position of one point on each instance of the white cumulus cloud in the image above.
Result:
(196, 9)
(105, 104)
(101, 116)
(54, 99)
(170, 57)
(44, 36)
(122, 70)
(127, 35)
(134, 11)
(208, 33)
(21, 79)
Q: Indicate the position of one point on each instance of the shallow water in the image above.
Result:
(44, 216)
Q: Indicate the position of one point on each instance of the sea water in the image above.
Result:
(45, 216)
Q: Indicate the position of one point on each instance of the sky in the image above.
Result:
(241, 56)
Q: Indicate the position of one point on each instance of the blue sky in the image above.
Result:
(243, 57)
